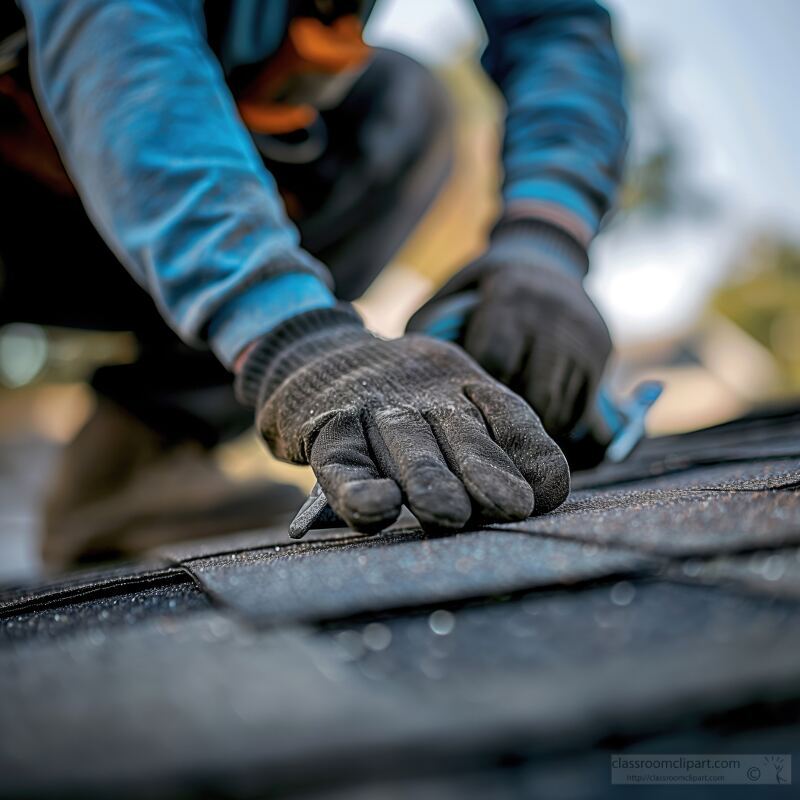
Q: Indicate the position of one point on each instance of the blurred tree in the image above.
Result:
(763, 298)
(657, 183)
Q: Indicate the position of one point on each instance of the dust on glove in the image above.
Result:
(411, 420)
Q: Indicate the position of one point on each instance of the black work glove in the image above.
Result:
(534, 328)
(411, 420)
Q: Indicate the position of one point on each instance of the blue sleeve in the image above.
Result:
(556, 64)
(150, 135)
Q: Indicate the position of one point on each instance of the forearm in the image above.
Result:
(152, 141)
(558, 69)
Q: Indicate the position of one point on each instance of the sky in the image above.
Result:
(725, 73)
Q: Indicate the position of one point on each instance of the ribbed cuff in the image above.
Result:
(261, 308)
(552, 201)
(542, 242)
(293, 344)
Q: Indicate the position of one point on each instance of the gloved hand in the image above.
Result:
(410, 420)
(535, 328)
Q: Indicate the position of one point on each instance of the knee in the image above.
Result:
(410, 108)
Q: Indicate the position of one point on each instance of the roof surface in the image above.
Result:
(658, 610)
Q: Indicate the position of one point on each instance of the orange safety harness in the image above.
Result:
(287, 92)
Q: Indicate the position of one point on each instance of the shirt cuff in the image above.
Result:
(262, 307)
(544, 244)
(558, 204)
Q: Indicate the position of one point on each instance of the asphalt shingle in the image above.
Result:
(329, 580)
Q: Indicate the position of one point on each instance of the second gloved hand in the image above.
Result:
(411, 420)
(534, 328)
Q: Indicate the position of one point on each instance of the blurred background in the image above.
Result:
(698, 273)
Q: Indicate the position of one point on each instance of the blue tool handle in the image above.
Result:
(634, 412)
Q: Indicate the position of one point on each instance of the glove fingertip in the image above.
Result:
(368, 506)
(442, 510)
(552, 481)
(500, 495)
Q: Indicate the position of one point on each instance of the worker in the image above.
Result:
(223, 178)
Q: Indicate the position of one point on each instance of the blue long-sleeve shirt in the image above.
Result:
(148, 130)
